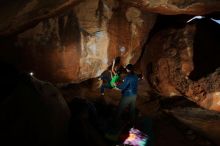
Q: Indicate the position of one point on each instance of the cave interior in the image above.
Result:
(37, 108)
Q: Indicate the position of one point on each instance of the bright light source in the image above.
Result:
(136, 138)
(196, 17)
(31, 73)
(122, 49)
(217, 21)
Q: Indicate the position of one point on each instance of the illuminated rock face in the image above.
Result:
(171, 7)
(167, 60)
(18, 16)
(72, 40)
(128, 31)
(68, 48)
(168, 63)
(78, 45)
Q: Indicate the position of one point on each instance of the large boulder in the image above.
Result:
(32, 112)
(172, 70)
(203, 121)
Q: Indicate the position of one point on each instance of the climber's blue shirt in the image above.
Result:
(129, 86)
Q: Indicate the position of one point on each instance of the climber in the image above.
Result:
(129, 92)
(115, 76)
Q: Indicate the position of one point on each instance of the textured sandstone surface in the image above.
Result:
(77, 45)
(17, 16)
(172, 7)
(168, 66)
(167, 61)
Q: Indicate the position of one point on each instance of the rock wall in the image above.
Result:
(77, 45)
(71, 41)
(167, 67)
(167, 60)
(203, 121)
(173, 7)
